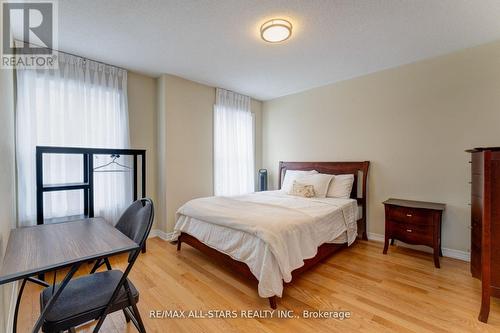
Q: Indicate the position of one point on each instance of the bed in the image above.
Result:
(272, 237)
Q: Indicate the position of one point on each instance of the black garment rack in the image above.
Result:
(88, 176)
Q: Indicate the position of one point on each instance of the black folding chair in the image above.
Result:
(94, 296)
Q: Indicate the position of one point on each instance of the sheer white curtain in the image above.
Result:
(234, 165)
(81, 104)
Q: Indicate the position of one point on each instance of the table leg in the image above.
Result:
(440, 245)
(54, 297)
(485, 310)
(436, 258)
(386, 244)
(20, 295)
(18, 302)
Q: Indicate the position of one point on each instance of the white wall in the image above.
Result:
(7, 181)
(412, 122)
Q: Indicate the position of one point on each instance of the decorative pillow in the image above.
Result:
(290, 177)
(302, 190)
(319, 181)
(341, 186)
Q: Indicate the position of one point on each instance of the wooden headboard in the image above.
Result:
(358, 169)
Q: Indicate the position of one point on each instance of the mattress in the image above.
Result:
(335, 227)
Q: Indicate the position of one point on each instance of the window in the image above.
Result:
(81, 104)
(234, 152)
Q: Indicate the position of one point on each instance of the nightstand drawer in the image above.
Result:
(414, 222)
(412, 233)
(411, 215)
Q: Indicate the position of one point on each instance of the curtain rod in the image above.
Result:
(74, 55)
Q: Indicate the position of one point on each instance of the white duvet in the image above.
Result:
(273, 233)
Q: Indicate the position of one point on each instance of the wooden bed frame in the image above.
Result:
(360, 172)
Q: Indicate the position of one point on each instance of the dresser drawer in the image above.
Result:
(412, 233)
(477, 164)
(476, 236)
(475, 260)
(477, 185)
(476, 209)
(411, 215)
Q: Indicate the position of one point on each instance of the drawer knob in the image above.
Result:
(409, 215)
(409, 230)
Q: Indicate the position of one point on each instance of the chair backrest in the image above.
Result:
(136, 223)
(137, 220)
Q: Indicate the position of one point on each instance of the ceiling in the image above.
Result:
(217, 42)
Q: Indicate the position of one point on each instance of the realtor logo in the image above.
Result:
(29, 34)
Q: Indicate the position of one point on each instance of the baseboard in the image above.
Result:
(450, 253)
(375, 237)
(12, 306)
(167, 236)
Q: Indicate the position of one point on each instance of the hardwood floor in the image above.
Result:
(398, 292)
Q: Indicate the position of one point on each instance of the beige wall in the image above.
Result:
(142, 124)
(187, 123)
(7, 181)
(185, 143)
(161, 176)
(412, 122)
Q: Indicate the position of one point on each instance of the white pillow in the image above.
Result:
(319, 181)
(341, 186)
(291, 175)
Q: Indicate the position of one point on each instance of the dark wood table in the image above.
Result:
(414, 222)
(34, 250)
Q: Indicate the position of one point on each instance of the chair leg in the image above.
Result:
(137, 316)
(97, 264)
(99, 324)
(108, 265)
(127, 318)
(134, 312)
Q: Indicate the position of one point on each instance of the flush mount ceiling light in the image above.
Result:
(276, 30)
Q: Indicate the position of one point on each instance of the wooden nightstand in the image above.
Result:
(414, 222)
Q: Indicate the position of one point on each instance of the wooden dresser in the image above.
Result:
(414, 222)
(485, 223)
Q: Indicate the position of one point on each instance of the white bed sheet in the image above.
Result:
(255, 252)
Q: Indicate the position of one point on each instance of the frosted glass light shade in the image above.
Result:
(276, 30)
